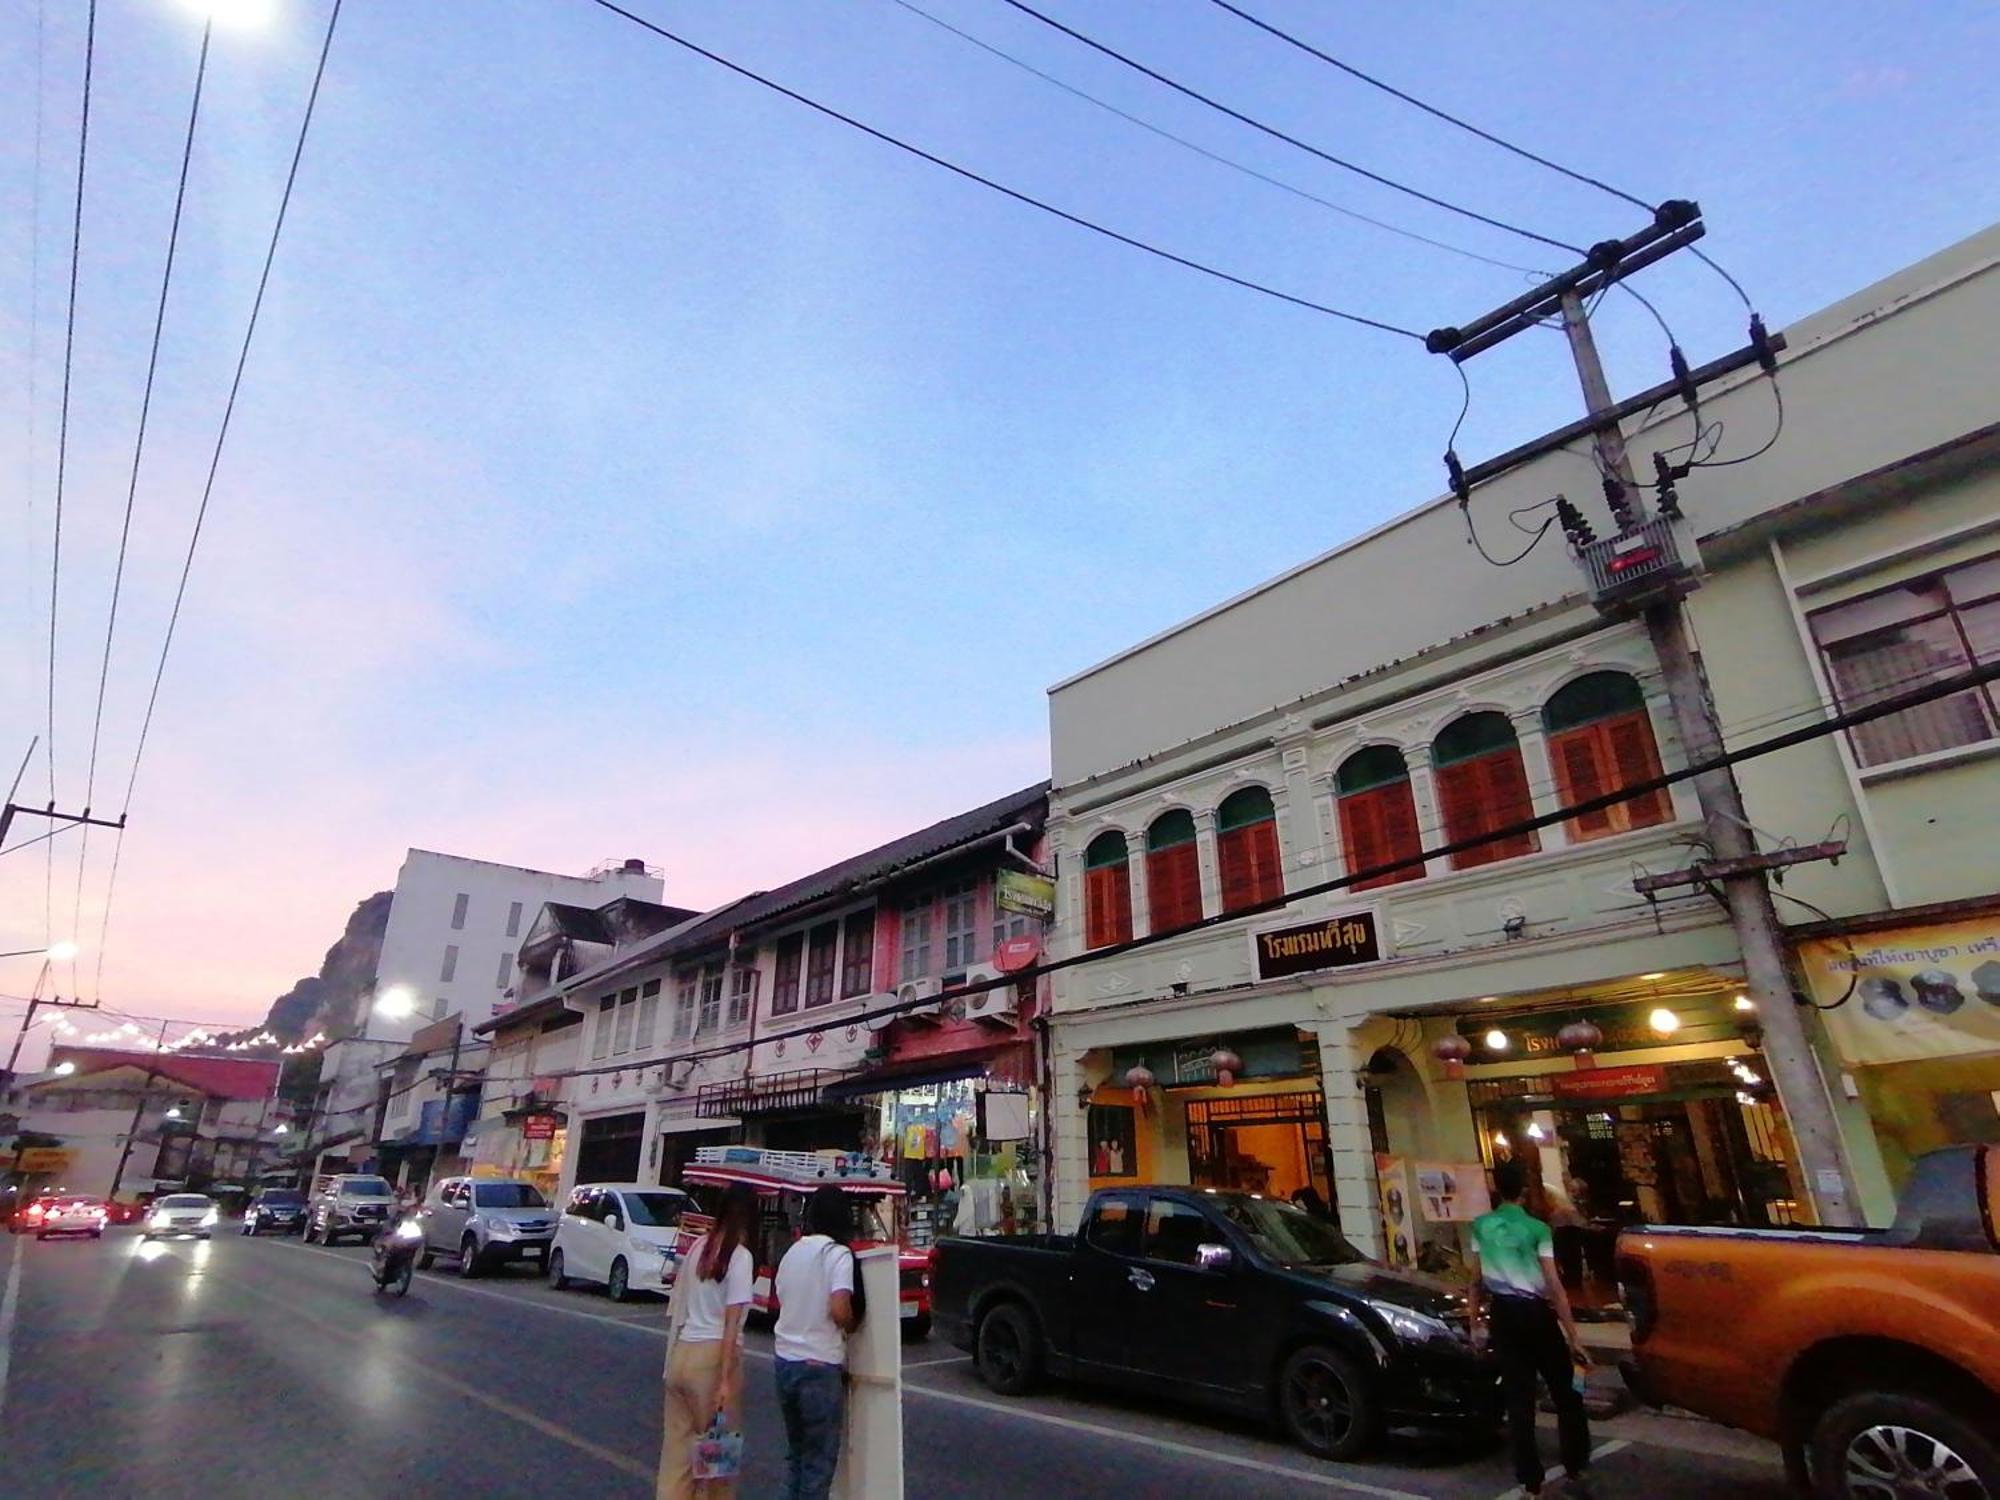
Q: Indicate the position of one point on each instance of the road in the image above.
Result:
(268, 1368)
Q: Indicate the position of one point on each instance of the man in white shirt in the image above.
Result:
(816, 1310)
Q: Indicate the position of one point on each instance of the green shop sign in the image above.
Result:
(1189, 1061)
(1626, 1028)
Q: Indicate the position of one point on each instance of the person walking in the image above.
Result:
(705, 1366)
(818, 1306)
(1519, 1307)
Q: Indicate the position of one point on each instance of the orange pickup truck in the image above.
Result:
(1871, 1356)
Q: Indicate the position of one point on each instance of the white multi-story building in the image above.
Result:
(456, 925)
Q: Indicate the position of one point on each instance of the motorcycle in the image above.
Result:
(395, 1256)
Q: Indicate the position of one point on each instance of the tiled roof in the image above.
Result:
(217, 1077)
(1029, 805)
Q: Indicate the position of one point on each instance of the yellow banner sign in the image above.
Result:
(1912, 993)
(44, 1159)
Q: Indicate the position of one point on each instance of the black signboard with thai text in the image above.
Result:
(1349, 938)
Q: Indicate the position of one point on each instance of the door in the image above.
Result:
(446, 1219)
(584, 1245)
(1106, 1280)
(612, 1224)
(1187, 1322)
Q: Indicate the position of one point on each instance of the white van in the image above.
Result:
(623, 1235)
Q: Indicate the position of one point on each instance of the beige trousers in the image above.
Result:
(694, 1375)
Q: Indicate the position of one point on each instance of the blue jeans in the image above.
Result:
(812, 1397)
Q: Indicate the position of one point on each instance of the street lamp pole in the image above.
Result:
(139, 1110)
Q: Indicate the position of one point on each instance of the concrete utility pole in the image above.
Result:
(139, 1110)
(1787, 1052)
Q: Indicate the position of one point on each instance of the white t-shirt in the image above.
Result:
(706, 1302)
(811, 1272)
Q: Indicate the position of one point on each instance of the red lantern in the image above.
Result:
(1452, 1050)
(1227, 1066)
(1582, 1038)
(1139, 1078)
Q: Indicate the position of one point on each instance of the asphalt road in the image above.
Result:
(269, 1368)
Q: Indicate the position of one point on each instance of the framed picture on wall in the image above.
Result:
(1114, 1141)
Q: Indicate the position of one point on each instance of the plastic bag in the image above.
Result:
(717, 1454)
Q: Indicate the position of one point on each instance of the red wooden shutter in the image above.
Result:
(1173, 886)
(1508, 800)
(1635, 757)
(1107, 901)
(1580, 775)
(1481, 794)
(1377, 826)
(1458, 789)
(1249, 860)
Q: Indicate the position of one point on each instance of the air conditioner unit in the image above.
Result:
(983, 1001)
(918, 989)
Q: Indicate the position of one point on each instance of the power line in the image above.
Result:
(214, 464)
(1291, 140)
(1431, 109)
(69, 364)
(999, 187)
(1485, 135)
(1215, 156)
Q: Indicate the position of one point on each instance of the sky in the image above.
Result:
(632, 461)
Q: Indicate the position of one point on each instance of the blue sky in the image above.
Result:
(634, 462)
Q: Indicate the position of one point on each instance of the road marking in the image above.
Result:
(500, 1404)
(10, 1302)
(1602, 1450)
(1168, 1445)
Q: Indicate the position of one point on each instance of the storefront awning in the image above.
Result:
(907, 1076)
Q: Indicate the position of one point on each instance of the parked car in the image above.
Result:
(1864, 1353)
(1224, 1298)
(282, 1210)
(348, 1205)
(624, 1236)
(70, 1213)
(487, 1222)
(182, 1213)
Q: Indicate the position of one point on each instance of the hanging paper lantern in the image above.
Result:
(1139, 1076)
(1582, 1038)
(1227, 1066)
(1452, 1050)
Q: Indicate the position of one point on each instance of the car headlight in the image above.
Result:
(158, 1221)
(1407, 1323)
(409, 1229)
(210, 1219)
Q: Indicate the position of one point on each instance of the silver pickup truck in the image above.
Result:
(486, 1222)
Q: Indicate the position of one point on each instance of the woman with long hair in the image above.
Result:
(705, 1369)
(819, 1304)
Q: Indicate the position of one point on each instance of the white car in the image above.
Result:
(620, 1234)
(182, 1213)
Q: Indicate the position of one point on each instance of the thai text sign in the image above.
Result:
(44, 1159)
(1349, 938)
(1913, 993)
(1610, 1083)
(538, 1128)
(1029, 895)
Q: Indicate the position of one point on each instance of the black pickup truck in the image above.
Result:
(1227, 1299)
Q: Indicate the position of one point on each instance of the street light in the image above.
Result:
(396, 1003)
(241, 15)
(63, 1069)
(57, 953)
(281, 1128)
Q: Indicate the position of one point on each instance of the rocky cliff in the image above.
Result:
(331, 1001)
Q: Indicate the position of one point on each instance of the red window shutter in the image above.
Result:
(1508, 799)
(1636, 757)
(1580, 768)
(1379, 825)
(1107, 901)
(1173, 886)
(1458, 802)
(1479, 795)
(1249, 860)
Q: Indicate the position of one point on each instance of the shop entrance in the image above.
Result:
(608, 1149)
(1273, 1144)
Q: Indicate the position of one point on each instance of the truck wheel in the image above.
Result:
(468, 1257)
(1009, 1350)
(1327, 1405)
(1888, 1443)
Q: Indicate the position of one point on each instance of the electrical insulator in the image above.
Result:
(1621, 504)
(1669, 498)
(1574, 526)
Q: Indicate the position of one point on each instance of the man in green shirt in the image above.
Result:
(1519, 1306)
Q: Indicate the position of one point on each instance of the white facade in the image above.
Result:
(457, 923)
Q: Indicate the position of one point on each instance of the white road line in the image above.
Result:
(10, 1303)
(1602, 1450)
(1167, 1445)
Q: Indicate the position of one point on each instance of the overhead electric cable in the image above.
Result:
(1485, 135)
(1292, 140)
(214, 464)
(1215, 156)
(1000, 187)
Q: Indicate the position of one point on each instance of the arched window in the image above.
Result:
(1246, 848)
(1107, 891)
(1482, 786)
(1378, 815)
(1601, 739)
(1173, 872)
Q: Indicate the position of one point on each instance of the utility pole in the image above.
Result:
(27, 1022)
(9, 810)
(1656, 588)
(139, 1110)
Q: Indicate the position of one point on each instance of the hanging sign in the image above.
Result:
(44, 1159)
(1025, 894)
(1348, 938)
(1913, 993)
(538, 1128)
